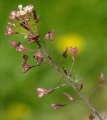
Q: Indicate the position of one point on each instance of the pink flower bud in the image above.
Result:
(20, 7)
(10, 31)
(38, 56)
(10, 24)
(14, 44)
(50, 35)
(68, 96)
(101, 79)
(42, 92)
(46, 36)
(32, 38)
(30, 8)
(21, 48)
(26, 67)
(25, 57)
(56, 106)
(73, 52)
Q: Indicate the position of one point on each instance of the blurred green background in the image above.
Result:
(84, 23)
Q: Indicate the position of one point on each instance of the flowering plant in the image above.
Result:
(40, 54)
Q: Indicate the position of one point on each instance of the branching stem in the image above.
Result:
(72, 85)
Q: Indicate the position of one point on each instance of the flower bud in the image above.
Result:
(64, 53)
(38, 56)
(56, 106)
(26, 67)
(21, 48)
(25, 57)
(73, 52)
(10, 31)
(14, 44)
(50, 35)
(10, 24)
(42, 92)
(101, 79)
(68, 96)
(32, 38)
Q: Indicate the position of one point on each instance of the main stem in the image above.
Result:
(72, 85)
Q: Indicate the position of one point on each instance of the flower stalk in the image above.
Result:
(23, 17)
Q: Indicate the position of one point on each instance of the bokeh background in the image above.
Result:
(81, 23)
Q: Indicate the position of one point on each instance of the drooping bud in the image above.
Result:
(25, 57)
(42, 92)
(101, 79)
(90, 117)
(67, 72)
(64, 53)
(80, 86)
(56, 106)
(38, 56)
(51, 35)
(68, 96)
(73, 52)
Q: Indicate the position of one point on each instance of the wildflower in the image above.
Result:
(42, 92)
(56, 106)
(38, 56)
(73, 52)
(10, 31)
(68, 96)
(101, 79)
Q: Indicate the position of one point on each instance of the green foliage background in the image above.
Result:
(18, 96)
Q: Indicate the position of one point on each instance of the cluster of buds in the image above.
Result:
(23, 16)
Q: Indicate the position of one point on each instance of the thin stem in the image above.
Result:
(72, 85)
(94, 93)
